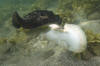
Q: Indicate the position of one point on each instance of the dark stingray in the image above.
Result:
(35, 19)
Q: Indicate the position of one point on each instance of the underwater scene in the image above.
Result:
(49, 32)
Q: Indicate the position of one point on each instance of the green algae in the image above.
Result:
(93, 43)
(77, 10)
(19, 37)
(92, 37)
(3, 40)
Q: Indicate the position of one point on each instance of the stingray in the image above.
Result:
(35, 19)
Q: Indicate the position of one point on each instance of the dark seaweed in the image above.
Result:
(35, 19)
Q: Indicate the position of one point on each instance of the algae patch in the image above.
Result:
(93, 48)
